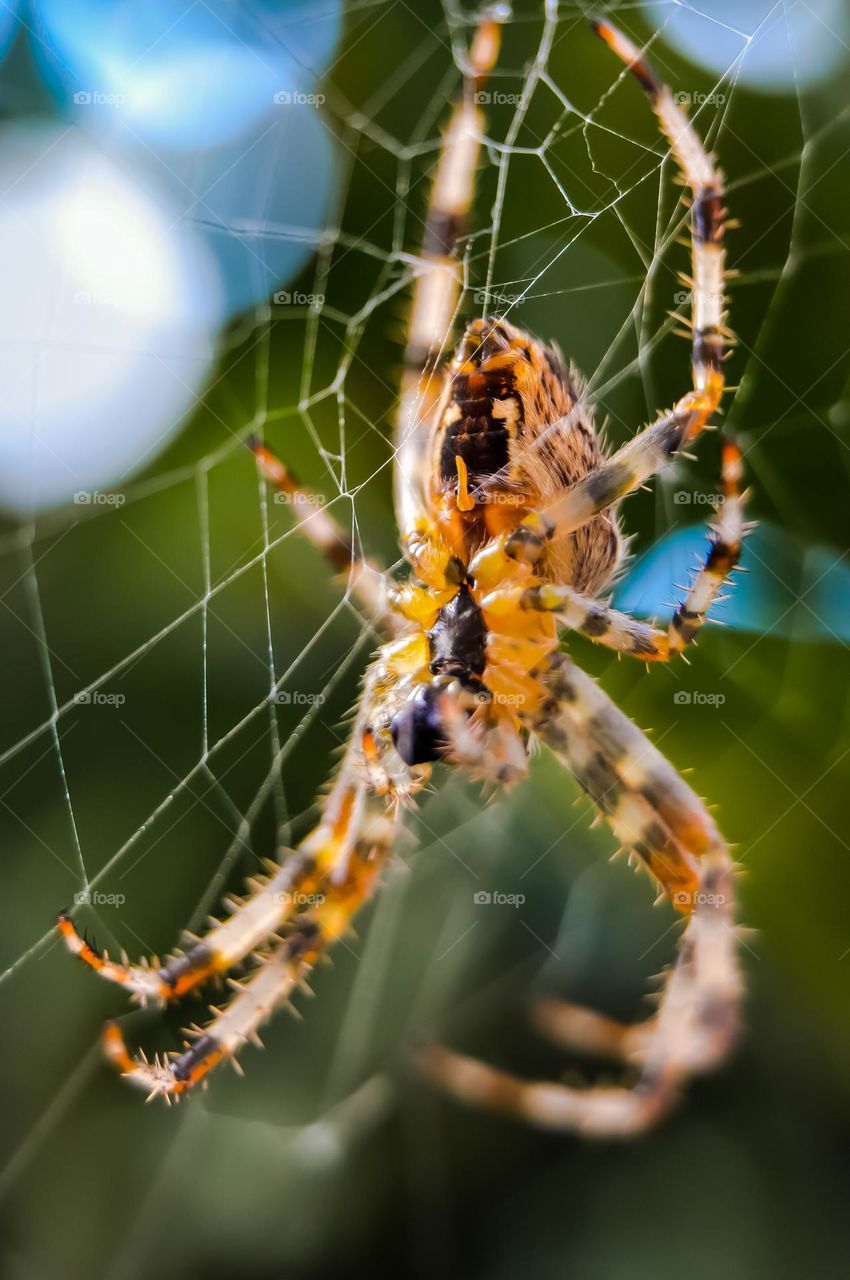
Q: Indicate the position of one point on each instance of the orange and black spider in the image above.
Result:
(507, 510)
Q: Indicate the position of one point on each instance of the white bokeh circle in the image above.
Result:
(108, 318)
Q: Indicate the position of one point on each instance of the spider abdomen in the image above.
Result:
(513, 424)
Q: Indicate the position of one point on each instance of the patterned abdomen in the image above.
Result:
(515, 417)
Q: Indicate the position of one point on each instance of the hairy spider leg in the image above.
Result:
(653, 811)
(577, 611)
(280, 973)
(654, 447)
(435, 298)
(274, 898)
(365, 577)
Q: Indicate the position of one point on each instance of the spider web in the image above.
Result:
(181, 666)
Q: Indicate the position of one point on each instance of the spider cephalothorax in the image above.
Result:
(457, 654)
(507, 506)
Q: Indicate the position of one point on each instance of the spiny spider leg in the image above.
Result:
(366, 578)
(349, 850)
(577, 611)
(708, 215)
(656, 445)
(635, 760)
(273, 901)
(278, 974)
(274, 898)
(625, 776)
(437, 286)
(656, 814)
(370, 769)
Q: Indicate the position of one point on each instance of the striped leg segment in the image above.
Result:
(365, 578)
(604, 625)
(707, 216)
(277, 976)
(650, 451)
(724, 553)
(690, 1033)
(273, 899)
(285, 924)
(584, 707)
(574, 1027)
(438, 284)
(148, 981)
(655, 812)
(579, 612)
(650, 809)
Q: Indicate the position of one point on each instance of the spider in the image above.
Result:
(507, 508)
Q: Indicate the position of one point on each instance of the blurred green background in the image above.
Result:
(330, 1157)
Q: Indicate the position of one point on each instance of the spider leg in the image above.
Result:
(583, 708)
(617, 1111)
(651, 450)
(575, 1027)
(626, 777)
(724, 553)
(303, 907)
(708, 215)
(438, 284)
(278, 974)
(592, 618)
(487, 745)
(656, 814)
(275, 898)
(579, 612)
(366, 578)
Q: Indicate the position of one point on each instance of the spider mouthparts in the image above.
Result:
(417, 729)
